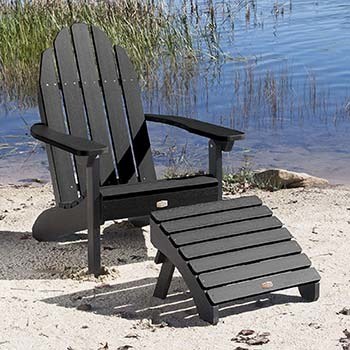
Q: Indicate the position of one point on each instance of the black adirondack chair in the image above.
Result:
(97, 142)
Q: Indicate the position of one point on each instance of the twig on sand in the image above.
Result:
(250, 337)
(344, 311)
(325, 254)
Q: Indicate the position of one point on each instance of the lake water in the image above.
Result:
(285, 82)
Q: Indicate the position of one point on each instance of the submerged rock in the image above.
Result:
(280, 178)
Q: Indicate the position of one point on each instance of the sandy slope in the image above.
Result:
(41, 286)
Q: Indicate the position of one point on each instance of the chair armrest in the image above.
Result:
(214, 132)
(72, 144)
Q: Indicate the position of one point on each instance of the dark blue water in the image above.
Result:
(284, 79)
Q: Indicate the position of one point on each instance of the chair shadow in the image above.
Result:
(133, 301)
(22, 257)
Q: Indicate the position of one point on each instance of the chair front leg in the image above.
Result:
(93, 201)
(215, 163)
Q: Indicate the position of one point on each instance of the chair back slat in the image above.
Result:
(52, 114)
(72, 96)
(114, 106)
(49, 149)
(136, 118)
(94, 104)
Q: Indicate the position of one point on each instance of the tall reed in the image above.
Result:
(164, 38)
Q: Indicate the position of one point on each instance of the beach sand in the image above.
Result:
(47, 302)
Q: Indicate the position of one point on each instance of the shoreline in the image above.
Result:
(35, 172)
(43, 284)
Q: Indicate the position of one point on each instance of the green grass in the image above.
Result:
(239, 181)
(150, 32)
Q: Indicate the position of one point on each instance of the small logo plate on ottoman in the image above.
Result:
(266, 285)
(162, 204)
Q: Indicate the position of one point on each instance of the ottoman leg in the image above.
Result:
(310, 292)
(159, 258)
(209, 313)
(164, 279)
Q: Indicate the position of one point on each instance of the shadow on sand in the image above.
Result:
(22, 257)
(133, 301)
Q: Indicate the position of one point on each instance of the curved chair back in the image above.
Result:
(88, 88)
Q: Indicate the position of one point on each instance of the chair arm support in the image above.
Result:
(221, 135)
(215, 163)
(72, 144)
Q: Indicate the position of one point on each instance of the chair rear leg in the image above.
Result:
(164, 279)
(310, 292)
(56, 223)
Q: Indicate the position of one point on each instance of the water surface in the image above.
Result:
(285, 82)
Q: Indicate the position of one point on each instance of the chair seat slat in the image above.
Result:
(155, 187)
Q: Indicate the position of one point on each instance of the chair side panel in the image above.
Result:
(136, 118)
(52, 114)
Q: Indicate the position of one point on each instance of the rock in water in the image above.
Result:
(280, 178)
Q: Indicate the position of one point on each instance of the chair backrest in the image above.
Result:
(88, 88)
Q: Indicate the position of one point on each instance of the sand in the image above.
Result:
(43, 285)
